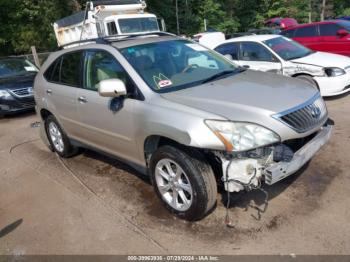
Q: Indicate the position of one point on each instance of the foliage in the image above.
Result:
(29, 22)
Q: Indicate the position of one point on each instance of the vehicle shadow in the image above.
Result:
(245, 199)
(117, 163)
(10, 228)
(19, 115)
(333, 98)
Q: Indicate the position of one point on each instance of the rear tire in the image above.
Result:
(58, 139)
(184, 181)
(308, 79)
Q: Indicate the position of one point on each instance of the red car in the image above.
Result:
(281, 23)
(329, 36)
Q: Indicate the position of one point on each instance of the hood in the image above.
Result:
(246, 94)
(17, 82)
(323, 59)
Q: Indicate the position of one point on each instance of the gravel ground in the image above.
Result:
(92, 204)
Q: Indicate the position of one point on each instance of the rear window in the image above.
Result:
(307, 31)
(137, 25)
(329, 29)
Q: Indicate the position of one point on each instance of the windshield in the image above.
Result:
(287, 48)
(345, 25)
(172, 65)
(137, 25)
(15, 67)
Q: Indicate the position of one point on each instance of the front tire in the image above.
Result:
(58, 139)
(184, 181)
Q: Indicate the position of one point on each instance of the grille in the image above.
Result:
(22, 92)
(305, 117)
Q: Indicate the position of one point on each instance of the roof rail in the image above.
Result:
(114, 38)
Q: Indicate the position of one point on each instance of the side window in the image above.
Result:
(228, 49)
(52, 74)
(70, 69)
(329, 29)
(307, 31)
(288, 33)
(100, 65)
(112, 28)
(255, 52)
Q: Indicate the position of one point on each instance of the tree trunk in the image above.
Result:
(323, 9)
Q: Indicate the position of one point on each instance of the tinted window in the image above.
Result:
(288, 33)
(307, 31)
(329, 29)
(100, 66)
(255, 52)
(52, 74)
(70, 69)
(112, 28)
(228, 49)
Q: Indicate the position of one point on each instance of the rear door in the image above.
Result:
(332, 42)
(106, 123)
(308, 36)
(64, 79)
(255, 56)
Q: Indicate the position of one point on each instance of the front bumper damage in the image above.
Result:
(248, 170)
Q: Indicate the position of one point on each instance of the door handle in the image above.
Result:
(246, 66)
(82, 99)
(49, 91)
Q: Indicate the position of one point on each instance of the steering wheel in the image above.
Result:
(189, 67)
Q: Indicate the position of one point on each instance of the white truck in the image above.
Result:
(106, 18)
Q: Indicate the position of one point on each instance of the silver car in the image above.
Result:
(181, 113)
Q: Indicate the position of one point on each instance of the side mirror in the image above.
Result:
(112, 88)
(342, 32)
(229, 56)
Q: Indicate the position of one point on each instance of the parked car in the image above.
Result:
(16, 85)
(344, 18)
(330, 73)
(181, 113)
(281, 23)
(328, 36)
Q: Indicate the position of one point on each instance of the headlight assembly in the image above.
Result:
(242, 136)
(334, 71)
(4, 94)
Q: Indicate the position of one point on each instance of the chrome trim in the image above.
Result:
(302, 117)
(22, 92)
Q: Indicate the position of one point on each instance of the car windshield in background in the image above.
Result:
(137, 25)
(14, 67)
(176, 64)
(287, 48)
(345, 25)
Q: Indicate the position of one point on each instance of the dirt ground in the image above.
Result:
(91, 204)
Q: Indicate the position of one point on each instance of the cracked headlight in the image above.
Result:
(4, 94)
(242, 136)
(334, 71)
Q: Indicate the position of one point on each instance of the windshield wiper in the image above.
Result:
(221, 74)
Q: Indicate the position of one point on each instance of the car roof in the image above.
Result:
(255, 38)
(314, 23)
